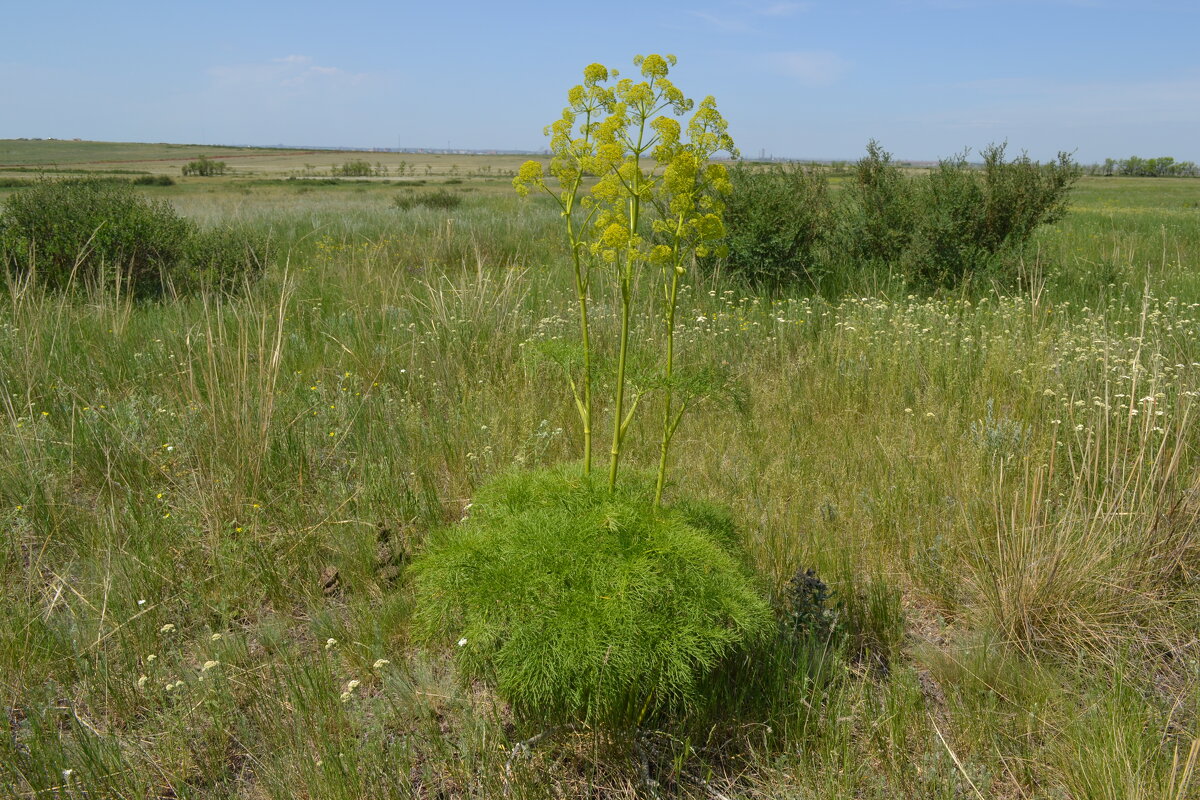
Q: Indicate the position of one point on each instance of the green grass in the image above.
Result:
(1000, 491)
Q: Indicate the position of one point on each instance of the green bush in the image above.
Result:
(84, 232)
(584, 605)
(440, 199)
(968, 220)
(353, 169)
(205, 167)
(154, 180)
(876, 217)
(88, 230)
(226, 259)
(937, 228)
(777, 219)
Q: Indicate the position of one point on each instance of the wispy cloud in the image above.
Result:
(741, 18)
(289, 72)
(1096, 118)
(1096, 102)
(723, 23)
(810, 67)
(781, 9)
(979, 4)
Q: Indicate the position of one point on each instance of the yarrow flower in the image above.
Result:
(350, 687)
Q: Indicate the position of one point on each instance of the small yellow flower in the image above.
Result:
(168, 628)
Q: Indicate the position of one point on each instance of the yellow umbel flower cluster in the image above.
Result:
(655, 201)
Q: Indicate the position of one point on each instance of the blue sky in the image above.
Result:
(816, 79)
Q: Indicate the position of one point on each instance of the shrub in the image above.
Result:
(581, 604)
(935, 229)
(877, 217)
(90, 231)
(226, 259)
(1135, 166)
(76, 230)
(967, 220)
(440, 199)
(777, 218)
(353, 169)
(205, 167)
(154, 180)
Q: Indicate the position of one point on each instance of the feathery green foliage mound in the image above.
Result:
(580, 604)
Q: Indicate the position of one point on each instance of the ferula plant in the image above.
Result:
(580, 600)
(653, 206)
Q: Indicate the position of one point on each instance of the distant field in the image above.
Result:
(59, 156)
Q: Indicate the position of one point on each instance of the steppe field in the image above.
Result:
(208, 505)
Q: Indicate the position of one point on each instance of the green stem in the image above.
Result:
(668, 429)
(581, 292)
(618, 411)
(626, 291)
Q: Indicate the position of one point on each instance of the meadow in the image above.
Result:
(208, 506)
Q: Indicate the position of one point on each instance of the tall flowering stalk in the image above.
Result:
(574, 156)
(689, 207)
(655, 203)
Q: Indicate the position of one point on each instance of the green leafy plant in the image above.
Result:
(778, 219)
(878, 217)
(968, 220)
(84, 232)
(440, 199)
(584, 599)
(356, 168)
(581, 604)
(153, 180)
(226, 258)
(205, 167)
(937, 228)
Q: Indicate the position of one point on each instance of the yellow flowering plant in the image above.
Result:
(572, 141)
(655, 204)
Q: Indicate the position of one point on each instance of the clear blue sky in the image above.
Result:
(804, 79)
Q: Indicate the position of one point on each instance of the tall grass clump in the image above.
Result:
(94, 231)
